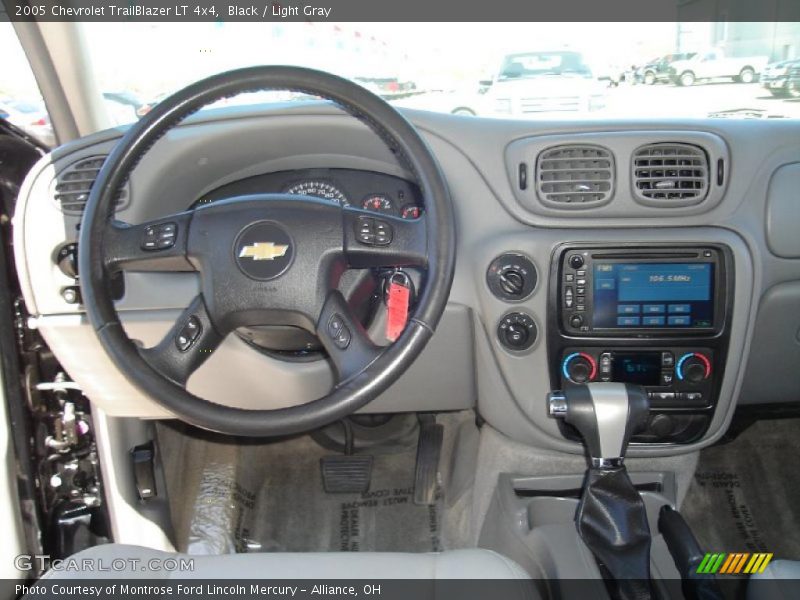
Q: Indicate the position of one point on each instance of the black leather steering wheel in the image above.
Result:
(267, 259)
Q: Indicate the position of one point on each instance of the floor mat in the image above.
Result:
(745, 496)
(268, 497)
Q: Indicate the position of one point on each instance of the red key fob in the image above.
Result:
(397, 306)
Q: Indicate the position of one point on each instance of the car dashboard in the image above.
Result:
(658, 253)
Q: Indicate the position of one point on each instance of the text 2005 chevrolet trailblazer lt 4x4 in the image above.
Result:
(275, 334)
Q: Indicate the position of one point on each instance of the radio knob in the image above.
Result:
(576, 261)
(693, 367)
(579, 367)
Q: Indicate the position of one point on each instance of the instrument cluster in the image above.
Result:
(372, 191)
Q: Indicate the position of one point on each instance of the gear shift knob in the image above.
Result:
(605, 414)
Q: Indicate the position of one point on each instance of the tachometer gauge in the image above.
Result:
(410, 211)
(377, 203)
(319, 189)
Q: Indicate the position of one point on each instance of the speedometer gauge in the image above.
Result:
(319, 189)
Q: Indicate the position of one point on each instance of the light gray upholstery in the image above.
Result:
(779, 581)
(136, 560)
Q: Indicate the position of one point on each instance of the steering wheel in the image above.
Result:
(267, 259)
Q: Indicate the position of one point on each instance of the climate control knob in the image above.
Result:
(579, 367)
(693, 367)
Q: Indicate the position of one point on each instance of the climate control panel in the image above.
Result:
(675, 377)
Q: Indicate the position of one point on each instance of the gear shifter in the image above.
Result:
(605, 414)
(611, 517)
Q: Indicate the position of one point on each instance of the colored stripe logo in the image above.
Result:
(734, 563)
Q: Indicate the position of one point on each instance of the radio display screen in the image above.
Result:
(653, 295)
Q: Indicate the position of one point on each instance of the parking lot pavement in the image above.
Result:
(666, 100)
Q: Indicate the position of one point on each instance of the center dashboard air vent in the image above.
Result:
(670, 174)
(575, 176)
(71, 187)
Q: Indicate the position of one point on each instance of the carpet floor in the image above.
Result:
(745, 496)
(229, 496)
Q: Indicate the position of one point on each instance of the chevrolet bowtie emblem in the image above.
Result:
(263, 251)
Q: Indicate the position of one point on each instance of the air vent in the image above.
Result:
(72, 185)
(668, 174)
(575, 176)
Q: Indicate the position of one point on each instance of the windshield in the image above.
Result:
(543, 63)
(507, 70)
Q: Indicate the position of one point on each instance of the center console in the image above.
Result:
(652, 315)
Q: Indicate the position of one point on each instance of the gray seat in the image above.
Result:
(779, 581)
(134, 562)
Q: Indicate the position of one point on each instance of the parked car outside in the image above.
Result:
(533, 83)
(713, 64)
(125, 107)
(657, 69)
(782, 79)
(30, 116)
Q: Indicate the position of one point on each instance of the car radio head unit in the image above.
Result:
(640, 291)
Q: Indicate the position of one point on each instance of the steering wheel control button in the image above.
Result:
(383, 233)
(263, 250)
(159, 237)
(335, 325)
(511, 277)
(517, 331)
(373, 232)
(188, 334)
(342, 339)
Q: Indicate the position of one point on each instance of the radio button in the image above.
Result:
(628, 309)
(661, 396)
(680, 321)
(653, 321)
(653, 309)
(580, 291)
(581, 282)
(581, 273)
(684, 309)
(568, 297)
(693, 397)
(569, 277)
(605, 363)
(628, 321)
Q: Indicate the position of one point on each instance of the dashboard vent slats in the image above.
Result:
(575, 175)
(670, 174)
(72, 185)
